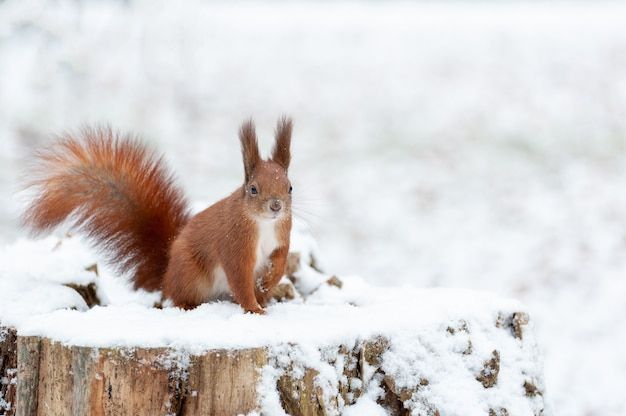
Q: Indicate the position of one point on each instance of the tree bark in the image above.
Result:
(8, 370)
(223, 382)
(55, 379)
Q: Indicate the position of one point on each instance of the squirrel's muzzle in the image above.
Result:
(276, 205)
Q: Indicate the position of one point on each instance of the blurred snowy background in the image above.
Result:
(478, 145)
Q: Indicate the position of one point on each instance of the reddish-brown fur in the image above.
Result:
(122, 196)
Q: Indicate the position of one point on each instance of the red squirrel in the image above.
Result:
(123, 197)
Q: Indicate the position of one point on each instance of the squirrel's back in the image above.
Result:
(118, 192)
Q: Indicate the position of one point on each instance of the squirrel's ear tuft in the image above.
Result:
(281, 153)
(249, 147)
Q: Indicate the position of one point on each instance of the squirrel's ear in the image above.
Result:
(249, 147)
(281, 153)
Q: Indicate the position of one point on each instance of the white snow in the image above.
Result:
(462, 144)
(365, 406)
(33, 274)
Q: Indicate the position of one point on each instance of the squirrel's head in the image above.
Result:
(267, 189)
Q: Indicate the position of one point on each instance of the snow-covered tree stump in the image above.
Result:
(57, 379)
(328, 346)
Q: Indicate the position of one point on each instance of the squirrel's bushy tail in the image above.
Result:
(115, 190)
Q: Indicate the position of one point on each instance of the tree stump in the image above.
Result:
(44, 377)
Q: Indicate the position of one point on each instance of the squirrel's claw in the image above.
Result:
(256, 310)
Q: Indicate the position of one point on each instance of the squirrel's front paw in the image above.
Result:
(255, 309)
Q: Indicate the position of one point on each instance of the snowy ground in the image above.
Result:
(465, 145)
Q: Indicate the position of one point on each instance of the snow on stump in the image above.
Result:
(441, 367)
(331, 345)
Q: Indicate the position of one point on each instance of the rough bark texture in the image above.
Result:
(491, 368)
(87, 292)
(28, 354)
(515, 323)
(56, 379)
(300, 396)
(8, 370)
(223, 382)
(284, 292)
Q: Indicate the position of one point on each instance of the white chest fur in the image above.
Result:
(266, 243)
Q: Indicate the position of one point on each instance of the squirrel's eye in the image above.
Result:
(290, 189)
(253, 190)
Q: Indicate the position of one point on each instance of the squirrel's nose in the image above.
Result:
(276, 205)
